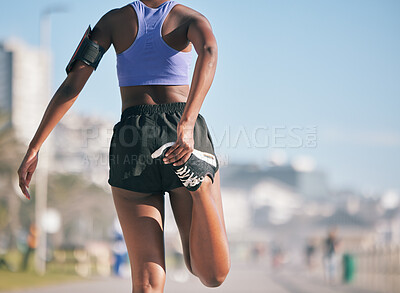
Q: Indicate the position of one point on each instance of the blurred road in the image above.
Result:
(240, 279)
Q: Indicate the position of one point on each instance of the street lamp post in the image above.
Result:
(43, 166)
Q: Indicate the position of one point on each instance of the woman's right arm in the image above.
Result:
(200, 34)
(61, 102)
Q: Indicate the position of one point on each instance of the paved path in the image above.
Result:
(300, 282)
(240, 279)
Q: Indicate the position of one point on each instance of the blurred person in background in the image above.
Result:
(258, 251)
(278, 256)
(31, 245)
(331, 258)
(310, 251)
(118, 249)
(162, 143)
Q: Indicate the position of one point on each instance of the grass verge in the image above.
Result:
(10, 281)
(21, 280)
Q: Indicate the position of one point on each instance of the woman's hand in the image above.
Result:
(180, 152)
(26, 170)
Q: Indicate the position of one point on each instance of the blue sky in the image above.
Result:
(285, 69)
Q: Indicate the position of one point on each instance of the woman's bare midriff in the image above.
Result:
(153, 94)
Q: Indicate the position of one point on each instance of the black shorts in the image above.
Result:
(141, 131)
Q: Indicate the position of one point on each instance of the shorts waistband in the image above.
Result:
(151, 109)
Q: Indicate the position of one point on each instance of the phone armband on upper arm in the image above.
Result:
(88, 52)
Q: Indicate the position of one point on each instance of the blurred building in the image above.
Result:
(273, 202)
(24, 86)
(310, 184)
(81, 145)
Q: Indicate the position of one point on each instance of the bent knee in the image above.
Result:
(214, 280)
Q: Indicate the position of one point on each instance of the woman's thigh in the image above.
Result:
(142, 220)
(182, 203)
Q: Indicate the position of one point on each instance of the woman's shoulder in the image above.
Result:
(116, 13)
(188, 15)
(115, 18)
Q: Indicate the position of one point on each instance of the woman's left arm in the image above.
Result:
(201, 35)
(61, 102)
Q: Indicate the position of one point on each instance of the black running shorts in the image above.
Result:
(140, 132)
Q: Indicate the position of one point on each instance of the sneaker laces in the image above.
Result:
(187, 178)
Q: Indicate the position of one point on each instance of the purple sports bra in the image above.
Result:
(149, 60)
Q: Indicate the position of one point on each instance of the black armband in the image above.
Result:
(88, 52)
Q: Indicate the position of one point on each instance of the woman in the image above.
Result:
(161, 143)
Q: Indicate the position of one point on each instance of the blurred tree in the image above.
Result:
(11, 153)
(87, 210)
